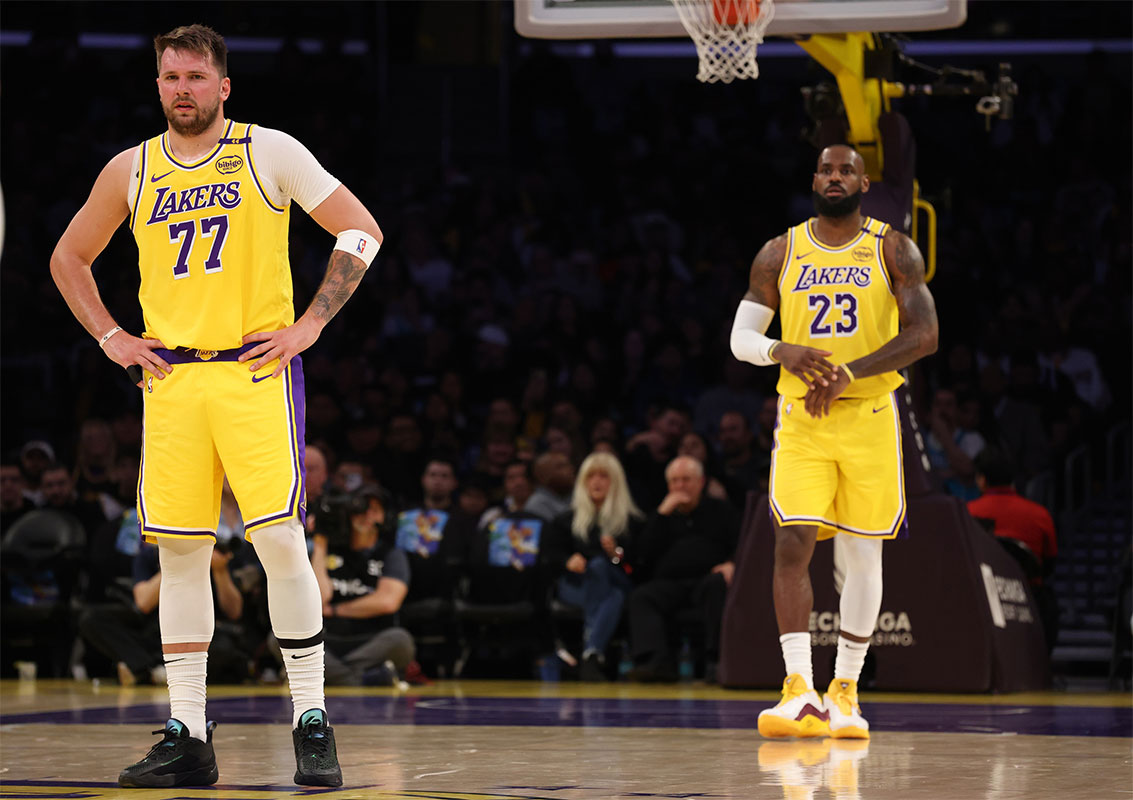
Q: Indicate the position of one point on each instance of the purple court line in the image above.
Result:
(617, 713)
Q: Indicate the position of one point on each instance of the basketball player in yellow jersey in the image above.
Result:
(208, 202)
(854, 309)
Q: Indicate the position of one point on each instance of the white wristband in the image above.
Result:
(106, 336)
(748, 340)
(359, 244)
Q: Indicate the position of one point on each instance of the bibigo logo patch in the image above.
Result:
(861, 254)
(226, 166)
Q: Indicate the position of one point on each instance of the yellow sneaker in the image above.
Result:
(800, 712)
(844, 713)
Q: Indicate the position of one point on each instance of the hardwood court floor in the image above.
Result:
(541, 741)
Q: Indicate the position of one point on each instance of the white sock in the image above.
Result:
(851, 656)
(185, 673)
(796, 655)
(305, 677)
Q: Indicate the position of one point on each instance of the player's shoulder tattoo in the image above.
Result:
(765, 269)
(904, 257)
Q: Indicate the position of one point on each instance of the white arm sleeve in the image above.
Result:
(748, 340)
(289, 171)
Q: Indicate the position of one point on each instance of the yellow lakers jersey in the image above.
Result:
(212, 248)
(838, 299)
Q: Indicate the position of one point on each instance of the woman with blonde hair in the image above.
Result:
(589, 547)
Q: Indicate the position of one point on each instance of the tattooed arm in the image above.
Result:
(339, 212)
(763, 280)
(918, 334)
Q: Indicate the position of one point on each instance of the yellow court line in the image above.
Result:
(49, 695)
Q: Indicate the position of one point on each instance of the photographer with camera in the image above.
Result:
(363, 580)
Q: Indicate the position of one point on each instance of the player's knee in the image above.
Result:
(862, 555)
(282, 549)
(793, 547)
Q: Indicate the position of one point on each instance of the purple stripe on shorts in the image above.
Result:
(298, 400)
(296, 411)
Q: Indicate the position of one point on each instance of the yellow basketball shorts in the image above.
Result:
(210, 418)
(841, 472)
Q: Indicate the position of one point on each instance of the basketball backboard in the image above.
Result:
(631, 19)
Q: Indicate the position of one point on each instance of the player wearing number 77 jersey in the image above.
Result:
(854, 309)
(208, 202)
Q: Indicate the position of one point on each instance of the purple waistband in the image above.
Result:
(191, 355)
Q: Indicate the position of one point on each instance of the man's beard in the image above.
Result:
(843, 206)
(196, 126)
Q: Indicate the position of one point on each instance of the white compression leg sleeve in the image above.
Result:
(185, 612)
(296, 611)
(862, 587)
(860, 559)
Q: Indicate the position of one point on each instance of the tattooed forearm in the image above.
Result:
(915, 307)
(344, 272)
(763, 282)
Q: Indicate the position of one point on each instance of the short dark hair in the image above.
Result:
(996, 466)
(199, 39)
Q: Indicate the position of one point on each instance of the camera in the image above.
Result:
(230, 545)
(336, 508)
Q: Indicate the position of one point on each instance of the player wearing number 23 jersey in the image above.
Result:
(854, 308)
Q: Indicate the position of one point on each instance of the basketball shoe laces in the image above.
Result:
(793, 687)
(315, 745)
(847, 701)
(173, 740)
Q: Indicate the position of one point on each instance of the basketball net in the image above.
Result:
(726, 33)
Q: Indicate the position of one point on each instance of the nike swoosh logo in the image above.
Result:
(880, 409)
(306, 655)
(156, 178)
(258, 378)
(174, 660)
(804, 255)
(170, 761)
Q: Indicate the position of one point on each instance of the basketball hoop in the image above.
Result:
(726, 33)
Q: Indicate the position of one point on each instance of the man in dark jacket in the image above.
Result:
(686, 557)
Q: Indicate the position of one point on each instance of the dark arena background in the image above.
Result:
(568, 229)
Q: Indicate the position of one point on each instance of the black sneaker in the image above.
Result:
(177, 760)
(316, 760)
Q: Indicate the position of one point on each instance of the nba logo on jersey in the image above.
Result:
(361, 246)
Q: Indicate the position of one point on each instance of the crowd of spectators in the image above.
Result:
(573, 294)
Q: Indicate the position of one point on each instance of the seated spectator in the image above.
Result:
(128, 634)
(953, 442)
(648, 451)
(1015, 517)
(58, 491)
(123, 493)
(743, 469)
(589, 550)
(35, 457)
(363, 581)
(435, 535)
(694, 445)
(13, 503)
(554, 482)
(94, 460)
(518, 488)
(685, 554)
